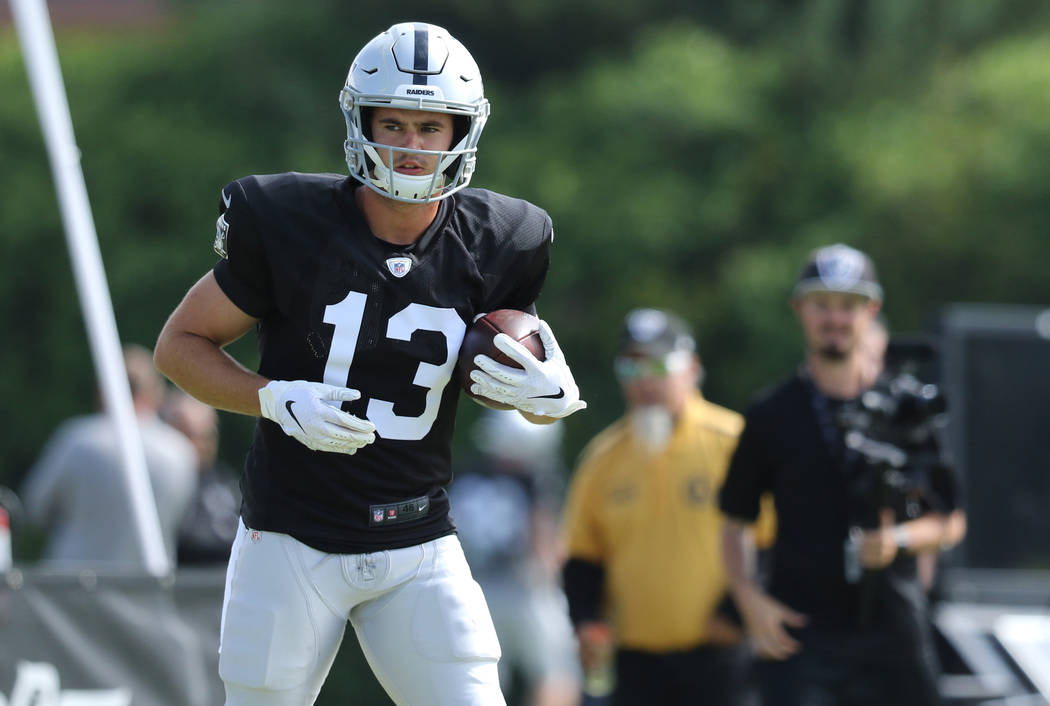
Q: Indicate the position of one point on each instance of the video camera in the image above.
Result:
(895, 419)
(893, 424)
(893, 429)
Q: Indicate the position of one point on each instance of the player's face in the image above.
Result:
(412, 130)
(664, 382)
(834, 322)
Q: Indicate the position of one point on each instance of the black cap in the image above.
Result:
(655, 333)
(838, 268)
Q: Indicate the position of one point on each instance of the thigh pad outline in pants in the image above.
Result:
(435, 630)
(275, 628)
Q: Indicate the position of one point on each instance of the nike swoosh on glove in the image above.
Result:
(309, 413)
(542, 387)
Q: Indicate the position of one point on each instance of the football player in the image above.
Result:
(360, 289)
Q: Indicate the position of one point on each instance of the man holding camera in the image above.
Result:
(842, 619)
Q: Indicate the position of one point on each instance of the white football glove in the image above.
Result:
(543, 387)
(309, 413)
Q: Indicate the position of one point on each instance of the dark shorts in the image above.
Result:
(704, 676)
(852, 670)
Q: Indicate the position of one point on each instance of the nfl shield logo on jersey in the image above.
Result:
(399, 266)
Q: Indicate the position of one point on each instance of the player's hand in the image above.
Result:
(309, 413)
(595, 642)
(545, 388)
(878, 547)
(767, 620)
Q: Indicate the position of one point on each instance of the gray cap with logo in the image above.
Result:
(838, 268)
(655, 333)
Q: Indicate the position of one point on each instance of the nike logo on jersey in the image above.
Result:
(399, 266)
(561, 393)
(288, 406)
(226, 199)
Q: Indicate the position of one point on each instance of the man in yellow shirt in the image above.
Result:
(644, 566)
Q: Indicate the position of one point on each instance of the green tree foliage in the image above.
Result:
(690, 154)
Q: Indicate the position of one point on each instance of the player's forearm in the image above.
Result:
(955, 529)
(203, 369)
(738, 556)
(930, 533)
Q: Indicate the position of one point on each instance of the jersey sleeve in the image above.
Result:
(526, 257)
(242, 272)
(749, 472)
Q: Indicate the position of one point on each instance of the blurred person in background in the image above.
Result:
(644, 573)
(842, 619)
(210, 524)
(506, 506)
(76, 490)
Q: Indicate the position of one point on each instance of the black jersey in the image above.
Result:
(338, 305)
(781, 451)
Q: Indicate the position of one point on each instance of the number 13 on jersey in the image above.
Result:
(346, 316)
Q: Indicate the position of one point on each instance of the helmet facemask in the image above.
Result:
(413, 66)
(455, 166)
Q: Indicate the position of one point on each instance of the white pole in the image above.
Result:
(45, 77)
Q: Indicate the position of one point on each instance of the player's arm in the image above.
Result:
(584, 583)
(765, 617)
(928, 533)
(190, 353)
(583, 574)
(738, 555)
(955, 529)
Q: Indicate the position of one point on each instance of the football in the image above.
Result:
(522, 327)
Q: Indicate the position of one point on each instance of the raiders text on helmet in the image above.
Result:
(415, 66)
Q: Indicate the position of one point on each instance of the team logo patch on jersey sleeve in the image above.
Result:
(398, 266)
(221, 229)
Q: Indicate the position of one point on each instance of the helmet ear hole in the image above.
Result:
(460, 128)
(366, 122)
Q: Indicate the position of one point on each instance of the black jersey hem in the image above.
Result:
(361, 546)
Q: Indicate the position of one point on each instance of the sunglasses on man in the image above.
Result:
(628, 368)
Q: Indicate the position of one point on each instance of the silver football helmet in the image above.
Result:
(415, 66)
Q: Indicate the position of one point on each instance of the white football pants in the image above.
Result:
(420, 618)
